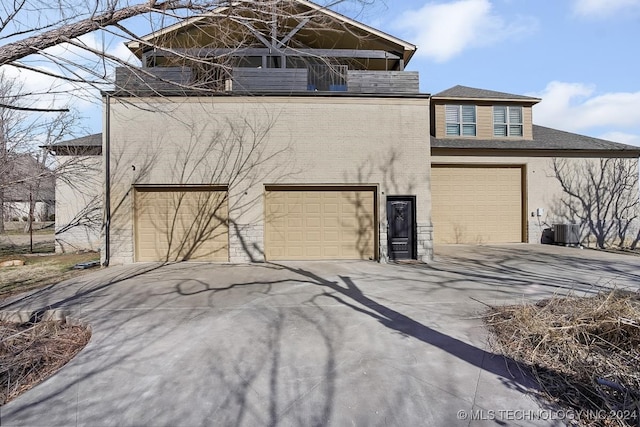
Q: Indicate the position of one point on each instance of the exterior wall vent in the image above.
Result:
(566, 234)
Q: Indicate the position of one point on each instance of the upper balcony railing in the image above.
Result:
(167, 80)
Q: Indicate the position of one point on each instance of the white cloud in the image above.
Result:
(576, 107)
(625, 138)
(120, 50)
(73, 62)
(93, 41)
(43, 91)
(603, 8)
(444, 30)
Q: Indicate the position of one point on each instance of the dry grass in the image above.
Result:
(39, 247)
(584, 352)
(30, 353)
(17, 242)
(40, 271)
(36, 232)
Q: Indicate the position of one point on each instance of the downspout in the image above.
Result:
(107, 180)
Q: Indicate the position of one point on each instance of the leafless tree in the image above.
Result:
(71, 44)
(602, 195)
(23, 165)
(211, 170)
(30, 29)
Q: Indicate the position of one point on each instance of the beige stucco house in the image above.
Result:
(493, 175)
(305, 141)
(79, 191)
(256, 138)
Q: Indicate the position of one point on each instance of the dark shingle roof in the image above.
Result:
(474, 93)
(544, 138)
(90, 144)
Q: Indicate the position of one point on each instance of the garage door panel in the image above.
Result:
(295, 222)
(476, 204)
(314, 236)
(181, 225)
(312, 208)
(313, 222)
(310, 252)
(325, 221)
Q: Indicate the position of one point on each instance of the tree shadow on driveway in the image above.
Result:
(408, 327)
(264, 344)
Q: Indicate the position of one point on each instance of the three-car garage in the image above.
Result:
(470, 204)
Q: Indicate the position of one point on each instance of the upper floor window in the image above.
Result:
(460, 120)
(507, 120)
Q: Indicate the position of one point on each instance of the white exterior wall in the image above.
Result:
(383, 142)
(542, 189)
(79, 202)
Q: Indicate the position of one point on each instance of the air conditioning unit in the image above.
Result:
(566, 234)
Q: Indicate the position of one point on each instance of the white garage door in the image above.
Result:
(181, 224)
(320, 223)
(477, 204)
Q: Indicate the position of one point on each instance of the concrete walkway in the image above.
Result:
(303, 343)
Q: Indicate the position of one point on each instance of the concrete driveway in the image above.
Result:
(304, 343)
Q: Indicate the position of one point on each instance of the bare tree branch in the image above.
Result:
(602, 195)
(19, 49)
(33, 109)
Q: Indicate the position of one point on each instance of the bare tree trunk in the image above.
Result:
(14, 51)
(30, 221)
(1, 210)
(3, 167)
(634, 243)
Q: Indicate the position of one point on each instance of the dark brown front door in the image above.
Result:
(401, 227)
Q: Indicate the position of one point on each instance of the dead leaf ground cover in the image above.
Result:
(30, 353)
(584, 352)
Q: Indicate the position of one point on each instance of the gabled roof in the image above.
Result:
(544, 138)
(399, 45)
(85, 145)
(471, 93)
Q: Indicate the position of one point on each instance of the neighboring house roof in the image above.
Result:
(371, 34)
(83, 146)
(544, 138)
(471, 93)
(24, 176)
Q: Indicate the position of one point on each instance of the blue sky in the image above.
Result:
(580, 56)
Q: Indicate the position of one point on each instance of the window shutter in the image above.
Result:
(468, 114)
(515, 115)
(500, 130)
(515, 130)
(452, 114)
(460, 120)
(469, 130)
(453, 129)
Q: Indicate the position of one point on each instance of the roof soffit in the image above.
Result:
(308, 24)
